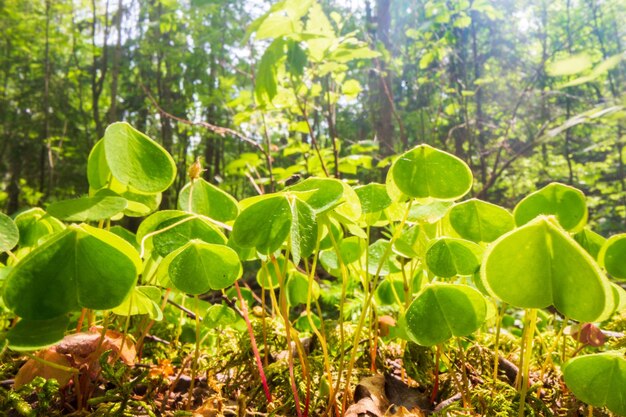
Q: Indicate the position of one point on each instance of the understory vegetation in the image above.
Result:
(308, 208)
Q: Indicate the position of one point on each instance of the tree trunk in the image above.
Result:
(383, 111)
(115, 70)
(45, 133)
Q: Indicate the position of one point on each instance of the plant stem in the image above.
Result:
(196, 356)
(255, 350)
(433, 395)
(368, 300)
(321, 337)
(496, 347)
(529, 333)
(52, 364)
(465, 387)
(284, 312)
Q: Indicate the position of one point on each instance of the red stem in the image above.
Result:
(433, 396)
(255, 350)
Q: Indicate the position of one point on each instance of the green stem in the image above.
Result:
(465, 387)
(367, 303)
(529, 333)
(284, 311)
(496, 348)
(52, 364)
(196, 356)
(321, 337)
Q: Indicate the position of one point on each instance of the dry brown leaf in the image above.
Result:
(79, 350)
(212, 407)
(33, 368)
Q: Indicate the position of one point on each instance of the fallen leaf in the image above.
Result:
(33, 368)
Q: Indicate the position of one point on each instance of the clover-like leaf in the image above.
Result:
(219, 315)
(136, 160)
(198, 267)
(539, 264)
(426, 172)
(373, 197)
(480, 221)
(267, 276)
(303, 233)
(208, 200)
(565, 202)
(447, 257)
(99, 207)
(35, 225)
(298, 288)
(321, 194)
(380, 259)
(598, 380)
(441, 311)
(264, 225)
(79, 267)
(141, 300)
(30, 335)
(9, 233)
(612, 256)
(177, 231)
(590, 241)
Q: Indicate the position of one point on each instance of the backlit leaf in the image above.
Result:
(442, 311)
(136, 160)
(426, 172)
(79, 267)
(539, 264)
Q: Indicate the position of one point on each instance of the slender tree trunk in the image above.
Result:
(568, 103)
(97, 81)
(115, 69)
(480, 117)
(383, 115)
(615, 92)
(44, 146)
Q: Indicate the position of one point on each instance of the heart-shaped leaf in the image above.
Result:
(177, 231)
(380, 259)
(426, 172)
(321, 194)
(612, 256)
(35, 225)
(98, 172)
(430, 212)
(590, 241)
(303, 233)
(411, 243)
(598, 380)
(198, 267)
(565, 202)
(298, 288)
(388, 290)
(447, 257)
(136, 160)
(85, 209)
(267, 276)
(264, 225)
(441, 311)
(480, 221)
(539, 264)
(9, 233)
(219, 315)
(141, 300)
(373, 197)
(208, 200)
(79, 267)
(30, 335)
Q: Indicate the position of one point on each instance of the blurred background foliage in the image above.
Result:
(525, 91)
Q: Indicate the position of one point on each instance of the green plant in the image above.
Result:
(409, 248)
